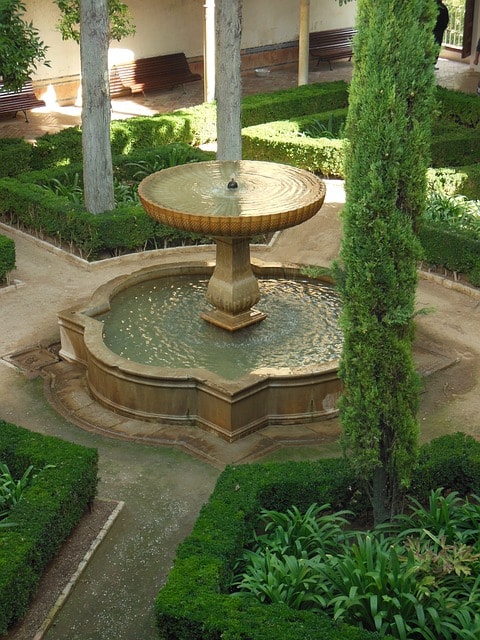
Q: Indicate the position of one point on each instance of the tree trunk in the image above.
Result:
(228, 79)
(97, 154)
(379, 496)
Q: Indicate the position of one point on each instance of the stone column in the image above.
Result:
(303, 38)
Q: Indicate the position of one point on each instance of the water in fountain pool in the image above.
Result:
(157, 323)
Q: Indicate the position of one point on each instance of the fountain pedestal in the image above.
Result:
(233, 288)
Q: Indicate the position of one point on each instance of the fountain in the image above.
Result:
(231, 201)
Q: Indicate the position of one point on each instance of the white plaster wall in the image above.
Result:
(167, 26)
(162, 26)
(328, 14)
(271, 21)
(64, 55)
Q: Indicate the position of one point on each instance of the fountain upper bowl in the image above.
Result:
(195, 197)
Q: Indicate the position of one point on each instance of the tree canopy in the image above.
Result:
(21, 48)
(120, 24)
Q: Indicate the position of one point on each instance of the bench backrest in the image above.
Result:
(331, 37)
(164, 70)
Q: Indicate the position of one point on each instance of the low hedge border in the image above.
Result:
(127, 228)
(7, 257)
(130, 229)
(453, 143)
(45, 516)
(194, 126)
(195, 603)
(299, 101)
(451, 249)
(283, 142)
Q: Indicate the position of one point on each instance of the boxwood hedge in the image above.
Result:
(47, 513)
(195, 603)
(7, 257)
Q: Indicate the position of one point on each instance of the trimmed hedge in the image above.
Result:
(460, 107)
(45, 516)
(281, 142)
(195, 604)
(7, 257)
(451, 249)
(452, 462)
(133, 140)
(298, 101)
(455, 148)
(16, 155)
(126, 229)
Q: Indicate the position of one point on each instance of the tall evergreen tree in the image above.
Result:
(388, 128)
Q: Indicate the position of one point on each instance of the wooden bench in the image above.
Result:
(333, 44)
(23, 100)
(149, 74)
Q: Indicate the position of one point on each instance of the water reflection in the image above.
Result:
(158, 323)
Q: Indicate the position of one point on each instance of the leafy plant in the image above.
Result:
(67, 187)
(455, 210)
(11, 490)
(318, 129)
(118, 13)
(21, 48)
(176, 154)
(287, 579)
(415, 578)
(125, 193)
(71, 188)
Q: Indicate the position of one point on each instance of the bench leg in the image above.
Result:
(24, 113)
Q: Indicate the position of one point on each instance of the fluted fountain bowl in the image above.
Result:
(197, 197)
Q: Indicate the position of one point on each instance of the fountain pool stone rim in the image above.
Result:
(229, 408)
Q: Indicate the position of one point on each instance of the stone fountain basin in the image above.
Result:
(193, 397)
(195, 197)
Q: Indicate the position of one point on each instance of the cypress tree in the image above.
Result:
(388, 128)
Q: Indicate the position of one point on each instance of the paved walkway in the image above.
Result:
(163, 489)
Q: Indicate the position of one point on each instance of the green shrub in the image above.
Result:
(24, 202)
(12, 489)
(281, 142)
(458, 107)
(196, 602)
(16, 156)
(58, 149)
(137, 145)
(452, 462)
(46, 514)
(452, 249)
(457, 212)
(471, 186)
(446, 180)
(7, 257)
(406, 578)
(454, 149)
(298, 101)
